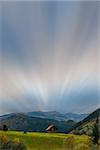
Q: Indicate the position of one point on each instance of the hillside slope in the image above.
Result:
(85, 126)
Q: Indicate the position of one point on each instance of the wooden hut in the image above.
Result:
(51, 128)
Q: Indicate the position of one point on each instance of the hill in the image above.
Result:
(23, 122)
(86, 125)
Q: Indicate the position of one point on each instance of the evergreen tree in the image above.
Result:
(96, 131)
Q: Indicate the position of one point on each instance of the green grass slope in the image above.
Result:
(51, 141)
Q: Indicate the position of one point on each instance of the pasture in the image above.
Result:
(50, 141)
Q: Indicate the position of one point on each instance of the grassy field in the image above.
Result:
(51, 141)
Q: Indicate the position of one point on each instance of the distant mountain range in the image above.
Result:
(52, 115)
(38, 121)
(23, 122)
(58, 116)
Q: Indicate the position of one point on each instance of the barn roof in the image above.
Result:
(50, 127)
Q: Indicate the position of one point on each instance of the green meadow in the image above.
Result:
(51, 141)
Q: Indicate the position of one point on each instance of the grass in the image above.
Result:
(47, 141)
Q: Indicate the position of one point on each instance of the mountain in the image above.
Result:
(48, 115)
(23, 122)
(86, 125)
(57, 116)
(76, 117)
(53, 115)
(5, 116)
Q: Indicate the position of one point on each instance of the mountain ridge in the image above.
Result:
(23, 122)
(86, 125)
(52, 115)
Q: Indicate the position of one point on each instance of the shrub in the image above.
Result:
(69, 143)
(14, 144)
(95, 134)
(3, 138)
(15, 140)
(74, 143)
(5, 128)
(82, 147)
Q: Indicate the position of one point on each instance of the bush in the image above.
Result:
(74, 143)
(5, 128)
(3, 138)
(69, 143)
(15, 144)
(82, 147)
(95, 134)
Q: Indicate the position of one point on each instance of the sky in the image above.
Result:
(49, 56)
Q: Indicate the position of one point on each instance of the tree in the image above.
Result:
(5, 128)
(96, 131)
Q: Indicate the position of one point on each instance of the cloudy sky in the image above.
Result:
(49, 56)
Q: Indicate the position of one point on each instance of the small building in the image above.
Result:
(51, 128)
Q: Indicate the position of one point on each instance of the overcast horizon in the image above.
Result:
(49, 56)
